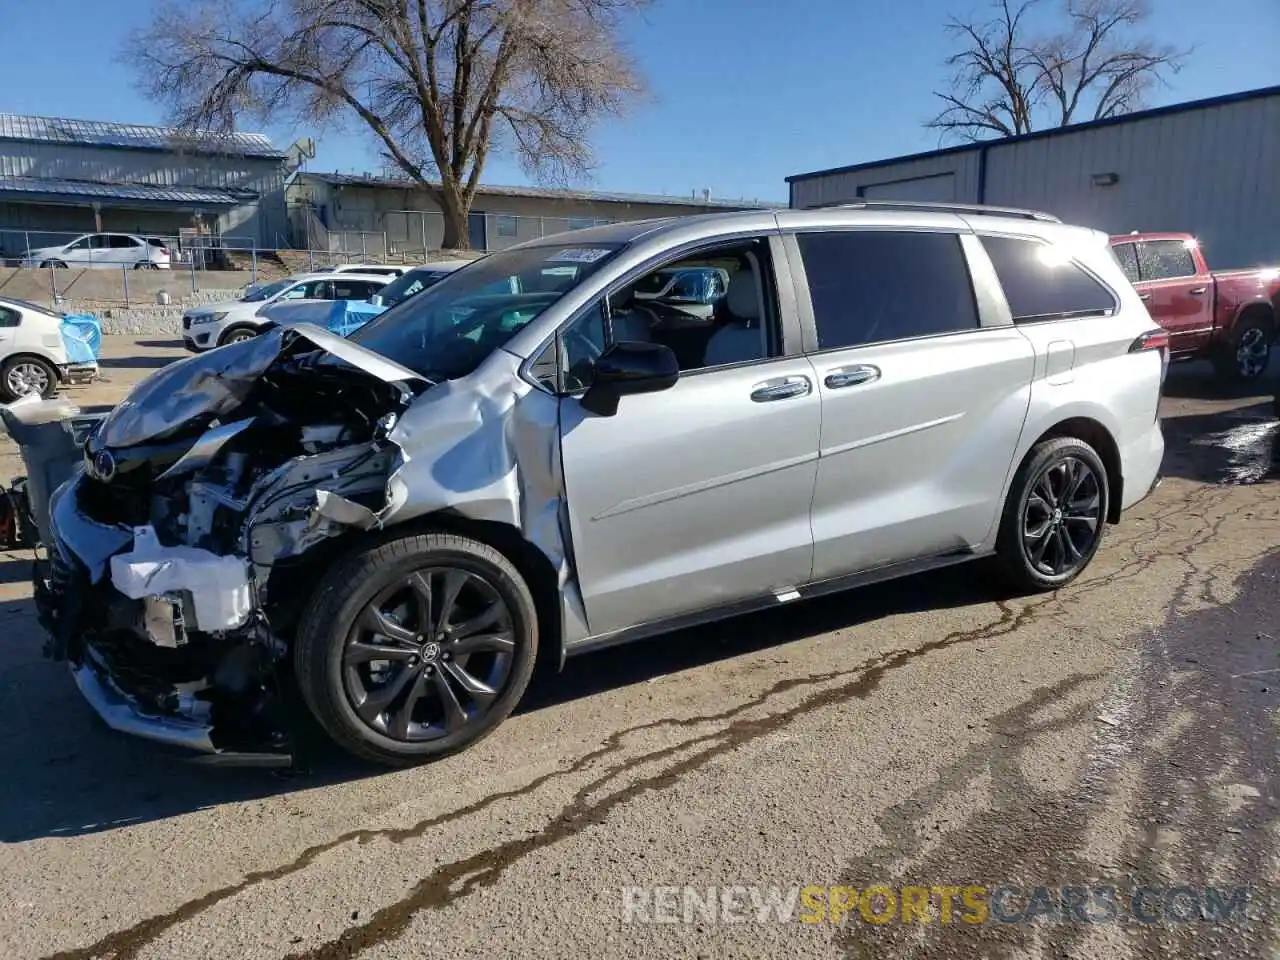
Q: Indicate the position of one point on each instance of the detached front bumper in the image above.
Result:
(79, 373)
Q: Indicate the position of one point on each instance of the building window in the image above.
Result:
(508, 224)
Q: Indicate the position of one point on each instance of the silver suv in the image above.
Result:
(528, 458)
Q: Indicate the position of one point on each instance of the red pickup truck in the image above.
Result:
(1230, 318)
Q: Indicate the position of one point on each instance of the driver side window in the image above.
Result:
(711, 308)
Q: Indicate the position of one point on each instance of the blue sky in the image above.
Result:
(745, 92)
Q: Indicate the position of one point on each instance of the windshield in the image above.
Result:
(447, 331)
(258, 294)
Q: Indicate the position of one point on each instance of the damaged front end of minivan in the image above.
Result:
(186, 546)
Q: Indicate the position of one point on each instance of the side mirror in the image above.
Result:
(629, 366)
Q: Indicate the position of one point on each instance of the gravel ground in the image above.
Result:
(1116, 735)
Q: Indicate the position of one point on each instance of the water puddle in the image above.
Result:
(1251, 451)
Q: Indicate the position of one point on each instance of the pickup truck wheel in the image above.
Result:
(1248, 354)
(416, 647)
(1054, 515)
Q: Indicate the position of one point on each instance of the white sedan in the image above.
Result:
(33, 355)
(217, 324)
(103, 251)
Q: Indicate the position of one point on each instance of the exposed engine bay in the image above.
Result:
(177, 564)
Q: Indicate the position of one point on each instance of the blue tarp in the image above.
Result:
(347, 316)
(82, 336)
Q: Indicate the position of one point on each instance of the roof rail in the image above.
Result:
(939, 207)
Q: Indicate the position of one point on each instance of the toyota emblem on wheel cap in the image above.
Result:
(104, 465)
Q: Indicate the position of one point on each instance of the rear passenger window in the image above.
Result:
(873, 286)
(1041, 284)
(1165, 260)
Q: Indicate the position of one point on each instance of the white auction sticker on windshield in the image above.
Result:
(578, 255)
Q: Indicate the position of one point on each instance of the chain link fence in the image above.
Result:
(134, 269)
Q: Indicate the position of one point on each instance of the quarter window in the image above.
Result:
(9, 318)
(875, 286)
(1165, 260)
(1040, 283)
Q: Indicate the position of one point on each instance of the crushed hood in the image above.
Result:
(211, 385)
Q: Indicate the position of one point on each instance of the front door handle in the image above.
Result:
(1198, 291)
(851, 376)
(1144, 297)
(783, 388)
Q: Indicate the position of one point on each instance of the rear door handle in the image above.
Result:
(1145, 297)
(783, 388)
(1198, 291)
(851, 376)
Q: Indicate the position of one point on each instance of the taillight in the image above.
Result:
(1157, 339)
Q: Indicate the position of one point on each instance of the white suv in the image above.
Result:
(390, 271)
(103, 251)
(204, 328)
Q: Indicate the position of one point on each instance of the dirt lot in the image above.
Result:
(1119, 734)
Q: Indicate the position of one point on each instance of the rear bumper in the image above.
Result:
(1140, 463)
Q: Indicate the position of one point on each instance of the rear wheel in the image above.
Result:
(56, 264)
(1054, 515)
(1248, 353)
(417, 647)
(25, 376)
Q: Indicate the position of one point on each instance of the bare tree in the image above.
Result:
(439, 83)
(1010, 79)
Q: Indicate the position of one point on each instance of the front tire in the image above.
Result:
(1054, 515)
(416, 647)
(1248, 354)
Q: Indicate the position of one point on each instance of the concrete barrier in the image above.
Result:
(108, 286)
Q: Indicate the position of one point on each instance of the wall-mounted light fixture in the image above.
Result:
(1106, 179)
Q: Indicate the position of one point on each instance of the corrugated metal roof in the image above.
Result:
(119, 191)
(100, 133)
(550, 193)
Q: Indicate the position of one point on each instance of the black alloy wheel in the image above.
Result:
(1062, 517)
(429, 654)
(416, 646)
(1054, 515)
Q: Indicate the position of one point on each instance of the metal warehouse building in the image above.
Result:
(1208, 167)
(404, 216)
(90, 176)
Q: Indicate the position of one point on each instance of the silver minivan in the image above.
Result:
(528, 459)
